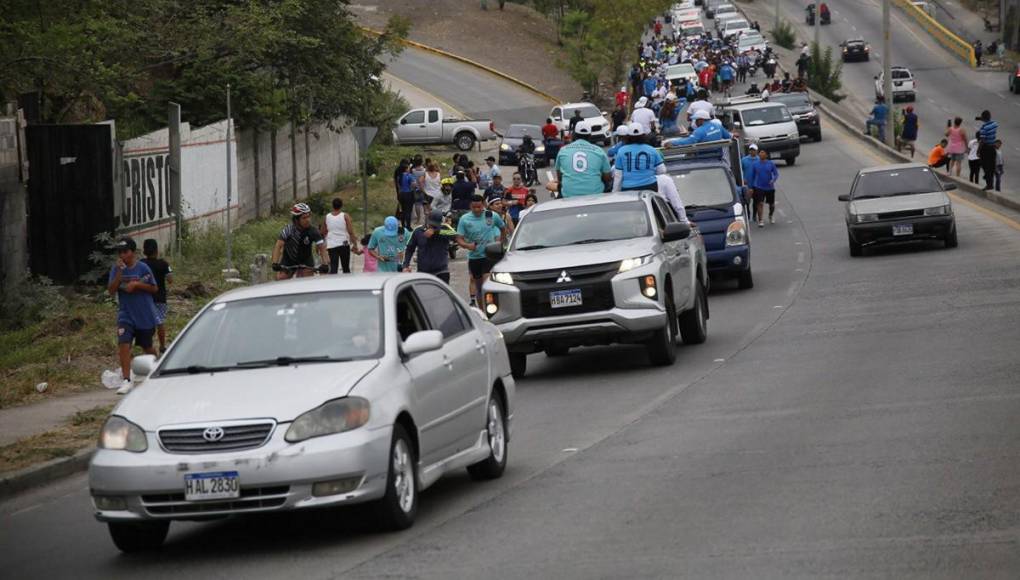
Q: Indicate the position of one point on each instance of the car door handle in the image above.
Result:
(480, 346)
(447, 363)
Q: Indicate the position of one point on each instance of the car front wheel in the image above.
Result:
(855, 248)
(662, 345)
(138, 537)
(493, 466)
(398, 508)
(694, 322)
(950, 239)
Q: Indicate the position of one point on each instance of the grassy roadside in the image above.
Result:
(70, 340)
(80, 432)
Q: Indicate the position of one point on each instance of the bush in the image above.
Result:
(783, 35)
(824, 73)
(28, 302)
(383, 112)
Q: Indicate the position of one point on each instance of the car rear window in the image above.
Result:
(901, 74)
(896, 182)
(709, 186)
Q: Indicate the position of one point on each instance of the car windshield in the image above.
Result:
(519, 131)
(765, 116)
(795, 99)
(587, 111)
(725, 9)
(313, 327)
(735, 24)
(898, 182)
(582, 225)
(709, 186)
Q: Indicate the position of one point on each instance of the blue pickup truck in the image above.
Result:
(710, 183)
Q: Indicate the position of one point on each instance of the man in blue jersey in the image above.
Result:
(706, 130)
(747, 163)
(582, 168)
(637, 163)
(987, 153)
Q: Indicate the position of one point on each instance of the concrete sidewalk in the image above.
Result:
(28, 420)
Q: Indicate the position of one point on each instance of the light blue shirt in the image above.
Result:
(638, 162)
(582, 165)
(480, 230)
(708, 131)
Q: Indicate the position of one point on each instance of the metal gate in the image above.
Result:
(70, 196)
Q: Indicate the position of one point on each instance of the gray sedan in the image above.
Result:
(307, 393)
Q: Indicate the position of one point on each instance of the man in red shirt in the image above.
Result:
(517, 194)
(621, 97)
(550, 130)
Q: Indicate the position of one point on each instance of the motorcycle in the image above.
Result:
(526, 167)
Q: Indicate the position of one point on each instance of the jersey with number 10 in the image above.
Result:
(582, 165)
(638, 162)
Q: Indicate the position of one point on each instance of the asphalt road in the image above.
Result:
(850, 417)
(946, 87)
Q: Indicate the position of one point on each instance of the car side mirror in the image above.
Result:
(403, 121)
(844, 197)
(676, 231)
(141, 366)
(494, 251)
(423, 341)
(949, 186)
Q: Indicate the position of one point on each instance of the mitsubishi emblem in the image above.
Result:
(213, 434)
(564, 278)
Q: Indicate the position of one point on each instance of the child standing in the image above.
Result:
(164, 275)
(370, 263)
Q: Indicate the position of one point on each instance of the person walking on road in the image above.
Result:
(292, 254)
(878, 116)
(582, 168)
(340, 238)
(908, 132)
(387, 245)
(956, 149)
(747, 163)
(973, 162)
(163, 274)
(431, 242)
(979, 50)
(986, 147)
(134, 285)
(766, 174)
(408, 187)
(475, 230)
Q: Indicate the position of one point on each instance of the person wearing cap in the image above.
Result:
(644, 116)
(747, 164)
(582, 168)
(134, 285)
(706, 130)
(700, 104)
(637, 163)
(488, 172)
(431, 242)
(387, 245)
(908, 131)
(987, 153)
(294, 245)
(475, 230)
(496, 189)
(766, 174)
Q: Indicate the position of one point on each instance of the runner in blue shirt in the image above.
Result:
(765, 176)
(133, 283)
(637, 163)
(475, 230)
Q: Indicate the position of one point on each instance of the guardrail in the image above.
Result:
(941, 34)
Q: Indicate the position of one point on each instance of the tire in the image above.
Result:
(138, 537)
(856, 250)
(557, 351)
(518, 364)
(746, 280)
(398, 508)
(694, 322)
(662, 345)
(790, 160)
(492, 467)
(464, 141)
(818, 136)
(950, 239)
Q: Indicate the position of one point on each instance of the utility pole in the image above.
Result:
(776, 25)
(818, 27)
(230, 257)
(890, 120)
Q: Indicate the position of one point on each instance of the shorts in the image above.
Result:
(479, 267)
(765, 195)
(957, 156)
(160, 313)
(126, 334)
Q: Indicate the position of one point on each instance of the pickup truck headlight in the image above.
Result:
(120, 434)
(335, 416)
(502, 278)
(631, 263)
(941, 210)
(736, 233)
(865, 217)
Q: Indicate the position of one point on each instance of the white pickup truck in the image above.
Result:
(432, 127)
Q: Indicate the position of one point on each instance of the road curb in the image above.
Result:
(44, 473)
(473, 63)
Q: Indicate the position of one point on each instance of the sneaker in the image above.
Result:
(772, 220)
(761, 224)
(125, 387)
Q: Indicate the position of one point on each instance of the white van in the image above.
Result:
(769, 125)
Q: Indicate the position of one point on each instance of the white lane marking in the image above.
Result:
(798, 243)
(799, 270)
(800, 257)
(792, 289)
(719, 360)
(570, 450)
(778, 306)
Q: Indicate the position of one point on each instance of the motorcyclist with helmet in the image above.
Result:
(525, 152)
(292, 254)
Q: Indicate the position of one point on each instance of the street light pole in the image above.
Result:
(890, 137)
(776, 26)
(818, 27)
(230, 257)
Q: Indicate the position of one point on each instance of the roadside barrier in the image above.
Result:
(956, 45)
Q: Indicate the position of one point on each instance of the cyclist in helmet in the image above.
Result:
(293, 248)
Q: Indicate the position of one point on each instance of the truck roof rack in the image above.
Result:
(739, 100)
(705, 150)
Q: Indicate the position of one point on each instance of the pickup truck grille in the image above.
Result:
(593, 281)
(230, 438)
(896, 215)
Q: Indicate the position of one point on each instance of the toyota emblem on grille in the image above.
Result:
(213, 434)
(564, 277)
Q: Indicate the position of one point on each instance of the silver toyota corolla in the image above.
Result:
(307, 393)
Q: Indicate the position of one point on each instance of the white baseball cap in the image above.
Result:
(701, 114)
(753, 147)
(623, 130)
(642, 102)
(636, 129)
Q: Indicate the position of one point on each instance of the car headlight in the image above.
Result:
(502, 278)
(736, 233)
(941, 210)
(866, 217)
(335, 416)
(504, 147)
(540, 149)
(120, 434)
(631, 263)
(793, 136)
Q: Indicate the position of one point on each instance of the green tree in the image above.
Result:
(825, 72)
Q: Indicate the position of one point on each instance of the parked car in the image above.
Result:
(512, 139)
(599, 269)
(904, 85)
(804, 113)
(308, 393)
(561, 115)
(432, 127)
(767, 124)
(855, 49)
(894, 203)
(1014, 79)
(709, 179)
